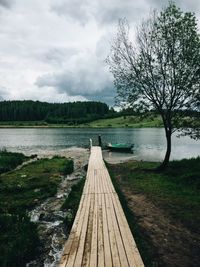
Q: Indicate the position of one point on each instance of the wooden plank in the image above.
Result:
(81, 246)
(75, 243)
(70, 240)
(93, 255)
(113, 244)
(120, 246)
(132, 252)
(87, 249)
(106, 238)
(100, 234)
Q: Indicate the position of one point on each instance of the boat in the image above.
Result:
(120, 147)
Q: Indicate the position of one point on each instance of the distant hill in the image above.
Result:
(68, 113)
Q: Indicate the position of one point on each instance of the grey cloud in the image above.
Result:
(40, 37)
(77, 10)
(109, 11)
(6, 3)
(109, 14)
(92, 83)
(104, 12)
(58, 55)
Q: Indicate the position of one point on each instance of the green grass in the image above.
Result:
(20, 191)
(144, 244)
(10, 160)
(18, 240)
(23, 123)
(26, 187)
(126, 121)
(72, 202)
(122, 121)
(177, 190)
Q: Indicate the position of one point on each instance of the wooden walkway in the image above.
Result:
(100, 235)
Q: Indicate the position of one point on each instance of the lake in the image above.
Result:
(149, 143)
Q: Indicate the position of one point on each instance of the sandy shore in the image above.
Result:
(81, 155)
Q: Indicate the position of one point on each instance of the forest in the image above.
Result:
(70, 113)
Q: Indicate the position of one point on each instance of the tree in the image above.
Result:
(162, 72)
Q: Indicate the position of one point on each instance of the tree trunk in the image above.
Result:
(168, 152)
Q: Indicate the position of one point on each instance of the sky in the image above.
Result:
(55, 50)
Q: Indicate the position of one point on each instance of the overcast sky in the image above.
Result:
(54, 50)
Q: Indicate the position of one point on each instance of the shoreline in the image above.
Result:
(77, 127)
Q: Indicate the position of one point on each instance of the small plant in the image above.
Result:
(68, 167)
(10, 160)
(72, 202)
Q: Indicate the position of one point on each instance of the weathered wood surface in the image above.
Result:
(100, 235)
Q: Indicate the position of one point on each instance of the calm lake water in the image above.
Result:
(149, 143)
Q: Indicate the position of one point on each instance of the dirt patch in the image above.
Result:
(175, 245)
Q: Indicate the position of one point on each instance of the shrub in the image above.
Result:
(68, 167)
(10, 160)
(18, 240)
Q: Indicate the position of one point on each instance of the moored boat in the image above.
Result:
(120, 147)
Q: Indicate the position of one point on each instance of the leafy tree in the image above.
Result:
(28, 110)
(162, 72)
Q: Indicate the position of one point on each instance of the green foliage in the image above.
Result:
(66, 113)
(18, 240)
(72, 202)
(131, 121)
(10, 160)
(26, 187)
(176, 189)
(68, 167)
(185, 172)
(20, 191)
(162, 72)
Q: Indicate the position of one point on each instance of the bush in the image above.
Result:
(10, 160)
(68, 167)
(18, 240)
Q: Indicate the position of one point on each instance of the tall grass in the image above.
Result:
(20, 191)
(10, 160)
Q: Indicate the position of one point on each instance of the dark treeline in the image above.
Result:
(76, 112)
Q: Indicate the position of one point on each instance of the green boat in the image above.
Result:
(120, 148)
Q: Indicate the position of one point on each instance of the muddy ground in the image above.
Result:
(173, 244)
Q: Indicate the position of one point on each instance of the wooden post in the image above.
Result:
(99, 139)
(90, 143)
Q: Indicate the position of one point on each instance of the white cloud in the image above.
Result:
(54, 50)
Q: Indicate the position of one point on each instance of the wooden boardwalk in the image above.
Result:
(100, 235)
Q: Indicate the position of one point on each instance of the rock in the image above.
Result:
(36, 190)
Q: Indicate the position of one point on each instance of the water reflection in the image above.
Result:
(149, 143)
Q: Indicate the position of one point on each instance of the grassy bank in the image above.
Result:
(72, 202)
(176, 191)
(10, 160)
(32, 124)
(20, 191)
(122, 121)
(127, 121)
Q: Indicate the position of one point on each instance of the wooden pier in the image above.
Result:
(100, 235)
